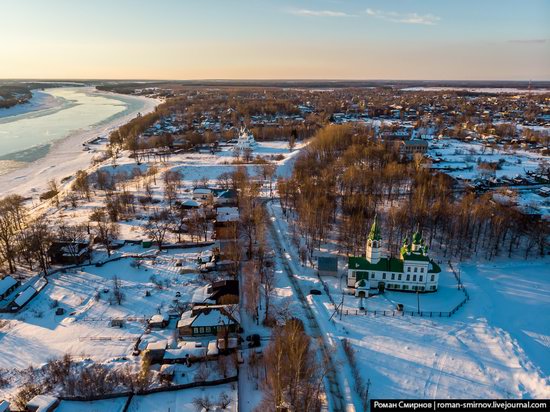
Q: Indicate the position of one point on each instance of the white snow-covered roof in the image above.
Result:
(184, 349)
(167, 369)
(158, 318)
(5, 284)
(190, 203)
(227, 214)
(42, 402)
(159, 345)
(25, 296)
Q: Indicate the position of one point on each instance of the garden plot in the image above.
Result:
(460, 159)
(87, 298)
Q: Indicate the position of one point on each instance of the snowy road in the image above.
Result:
(337, 389)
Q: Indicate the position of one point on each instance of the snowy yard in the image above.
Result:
(181, 400)
(86, 296)
(464, 157)
(497, 345)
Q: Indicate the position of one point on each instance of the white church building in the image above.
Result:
(412, 271)
(245, 141)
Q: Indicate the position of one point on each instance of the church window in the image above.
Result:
(420, 278)
(414, 278)
(393, 276)
(408, 277)
(399, 277)
(372, 275)
(415, 270)
(405, 287)
(409, 269)
(433, 278)
(421, 270)
(383, 276)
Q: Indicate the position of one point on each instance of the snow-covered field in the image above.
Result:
(496, 346)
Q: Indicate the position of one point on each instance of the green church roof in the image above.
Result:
(417, 238)
(360, 263)
(375, 230)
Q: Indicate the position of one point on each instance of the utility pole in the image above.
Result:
(342, 291)
(367, 395)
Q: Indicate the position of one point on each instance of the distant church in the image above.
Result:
(245, 141)
(412, 271)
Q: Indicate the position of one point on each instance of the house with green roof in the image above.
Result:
(412, 271)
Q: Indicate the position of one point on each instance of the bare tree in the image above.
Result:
(105, 231)
(117, 292)
(158, 225)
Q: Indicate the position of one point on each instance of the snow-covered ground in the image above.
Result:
(495, 346)
(492, 90)
(459, 155)
(39, 101)
(181, 400)
(84, 330)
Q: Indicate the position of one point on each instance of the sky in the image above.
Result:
(275, 39)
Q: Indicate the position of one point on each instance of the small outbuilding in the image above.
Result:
(42, 403)
(158, 321)
(327, 265)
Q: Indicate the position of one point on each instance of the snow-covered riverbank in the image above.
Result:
(66, 155)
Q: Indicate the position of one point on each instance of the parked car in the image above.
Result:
(399, 307)
(254, 336)
(315, 292)
(253, 340)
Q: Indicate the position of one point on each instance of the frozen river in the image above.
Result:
(28, 131)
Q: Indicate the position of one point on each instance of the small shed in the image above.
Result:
(327, 265)
(155, 350)
(7, 286)
(117, 323)
(158, 321)
(42, 403)
(167, 372)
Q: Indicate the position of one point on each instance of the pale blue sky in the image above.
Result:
(276, 39)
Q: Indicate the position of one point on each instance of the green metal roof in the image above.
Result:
(417, 238)
(390, 265)
(419, 257)
(360, 263)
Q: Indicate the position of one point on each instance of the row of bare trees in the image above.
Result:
(344, 178)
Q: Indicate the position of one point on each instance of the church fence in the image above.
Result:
(423, 314)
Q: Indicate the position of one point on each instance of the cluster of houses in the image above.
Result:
(209, 328)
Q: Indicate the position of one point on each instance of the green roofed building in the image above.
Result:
(413, 270)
